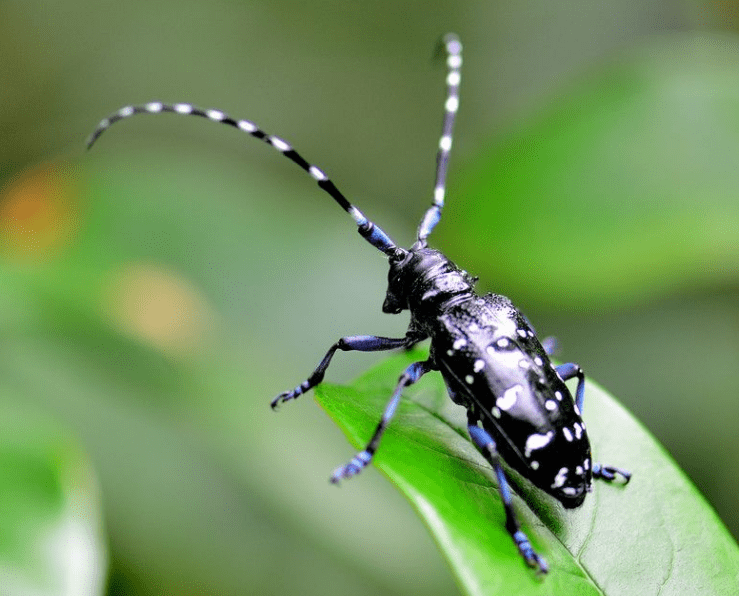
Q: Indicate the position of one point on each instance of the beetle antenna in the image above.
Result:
(453, 48)
(366, 228)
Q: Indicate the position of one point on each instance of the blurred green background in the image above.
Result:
(157, 292)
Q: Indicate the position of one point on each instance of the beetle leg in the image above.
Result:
(609, 473)
(485, 443)
(360, 343)
(411, 374)
(550, 345)
(567, 372)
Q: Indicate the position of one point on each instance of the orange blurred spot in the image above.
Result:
(159, 307)
(39, 213)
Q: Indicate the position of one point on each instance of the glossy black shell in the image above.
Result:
(494, 365)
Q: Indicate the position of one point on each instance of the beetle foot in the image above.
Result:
(282, 398)
(609, 473)
(527, 552)
(354, 467)
(292, 394)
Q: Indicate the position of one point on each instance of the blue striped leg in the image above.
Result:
(569, 371)
(485, 443)
(360, 343)
(550, 345)
(607, 473)
(411, 374)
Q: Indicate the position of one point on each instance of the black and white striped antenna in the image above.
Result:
(367, 229)
(453, 48)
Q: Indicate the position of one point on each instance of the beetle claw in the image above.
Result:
(527, 552)
(282, 398)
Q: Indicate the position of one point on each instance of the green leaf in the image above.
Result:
(51, 539)
(654, 535)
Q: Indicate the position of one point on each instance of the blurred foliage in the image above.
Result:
(51, 539)
(593, 549)
(156, 293)
(635, 165)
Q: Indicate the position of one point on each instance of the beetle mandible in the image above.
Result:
(519, 409)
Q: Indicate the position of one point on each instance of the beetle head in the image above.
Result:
(423, 276)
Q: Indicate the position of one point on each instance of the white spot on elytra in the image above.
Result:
(506, 401)
(469, 379)
(521, 332)
(460, 343)
(579, 471)
(534, 465)
(578, 430)
(586, 464)
(558, 395)
(537, 441)
(560, 478)
(570, 491)
(523, 363)
(538, 361)
(577, 410)
(568, 435)
(479, 365)
(503, 342)
(550, 405)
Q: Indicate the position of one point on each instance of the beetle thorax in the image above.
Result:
(425, 281)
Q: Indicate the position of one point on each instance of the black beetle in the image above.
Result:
(518, 406)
